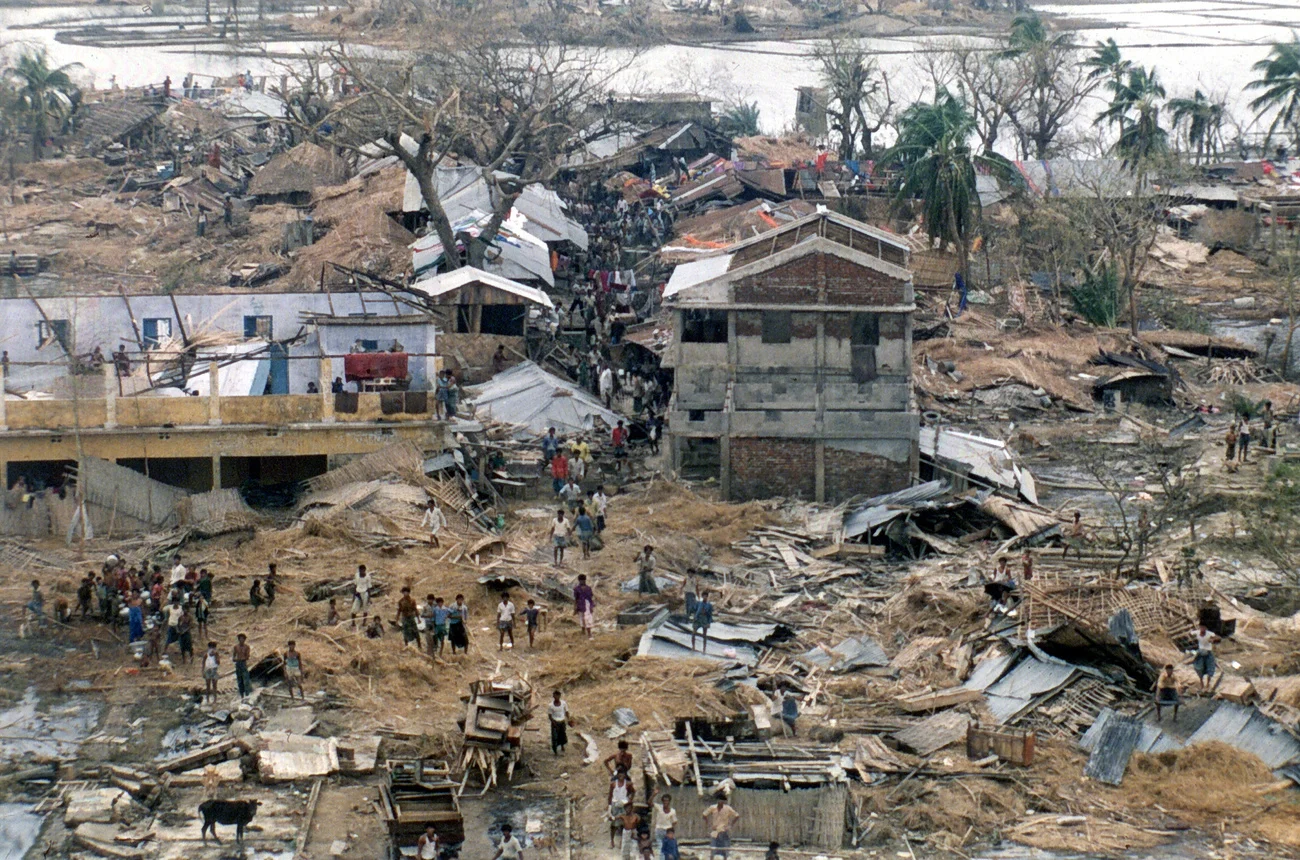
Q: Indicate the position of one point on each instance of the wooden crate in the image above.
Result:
(1012, 745)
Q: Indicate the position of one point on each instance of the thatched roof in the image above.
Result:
(112, 120)
(303, 168)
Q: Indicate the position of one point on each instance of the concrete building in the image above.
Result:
(253, 419)
(42, 331)
(793, 357)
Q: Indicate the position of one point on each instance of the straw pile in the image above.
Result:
(360, 234)
(1205, 781)
(1070, 832)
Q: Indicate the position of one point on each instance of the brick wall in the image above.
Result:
(765, 467)
(796, 283)
(851, 473)
(850, 284)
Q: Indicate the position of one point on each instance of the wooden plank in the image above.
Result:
(788, 556)
(695, 762)
(932, 701)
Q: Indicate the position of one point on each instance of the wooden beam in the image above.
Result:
(695, 762)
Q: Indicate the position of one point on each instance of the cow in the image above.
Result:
(236, 812)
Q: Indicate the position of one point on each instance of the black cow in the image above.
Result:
(236, 812)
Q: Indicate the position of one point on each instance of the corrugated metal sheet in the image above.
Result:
(670, 636)
(1115, 744)
(439, 284)
(1250, 731)
(848, 655)
(987, 672)
(696, 272)
(547, 219)
(882, 509)
(989, 460)
(525, 394)
(1152, 739)
(667, 640)
(1020, 688)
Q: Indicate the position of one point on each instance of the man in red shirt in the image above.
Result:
(559, 471)
(619, 437)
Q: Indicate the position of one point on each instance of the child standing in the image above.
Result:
(211, 666)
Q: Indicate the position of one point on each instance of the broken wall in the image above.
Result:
(809, 817)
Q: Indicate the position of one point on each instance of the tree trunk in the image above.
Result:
(425, 172)
(1132, 305)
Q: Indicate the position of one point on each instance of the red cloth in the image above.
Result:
(620, 437)
(560, 467)
(374, 365)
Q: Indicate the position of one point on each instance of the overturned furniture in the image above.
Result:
(493, 727)
(419, 793)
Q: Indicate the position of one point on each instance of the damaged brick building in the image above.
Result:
(793, 354)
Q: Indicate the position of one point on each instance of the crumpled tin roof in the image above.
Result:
(882, 509)
(1249, 731)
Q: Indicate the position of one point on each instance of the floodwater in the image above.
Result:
(1209, 44)
(19, 827)
(28, 729)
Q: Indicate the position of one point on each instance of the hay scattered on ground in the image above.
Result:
(1206, 780)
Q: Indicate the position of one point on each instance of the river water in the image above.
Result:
(1209, 44)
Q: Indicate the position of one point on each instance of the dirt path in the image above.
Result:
(345, 813)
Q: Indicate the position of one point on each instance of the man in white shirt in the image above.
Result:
(361, 584)
(662, 817)
(560, 529)
(510, 847)
(178, 572)
(602, 502)
(434, 521)
(427, 846)
(505, 622)
(558, 711)
(1204, 662)
(606, 385)
(572, 493)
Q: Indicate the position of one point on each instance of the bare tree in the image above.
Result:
(859, 99)
(1140, 518)
(1122, 213)
(508, 109)
(1053, 83)
(988, 83)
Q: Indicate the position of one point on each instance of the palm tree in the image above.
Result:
(45, 95)
(1135, 108)
(1280, 83)
(1107, 62)
(1028, 34)
(1204, 118)
(939, 168)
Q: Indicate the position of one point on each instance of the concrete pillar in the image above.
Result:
(724, 466)
(216, 471)
(819, 470)
(4, 419)
(326, 395)
(214, 394)
(110, 395)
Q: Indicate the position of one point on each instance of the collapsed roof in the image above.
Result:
(529, 396)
